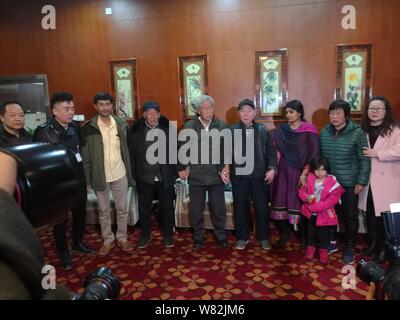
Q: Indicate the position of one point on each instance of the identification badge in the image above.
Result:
(78, 157)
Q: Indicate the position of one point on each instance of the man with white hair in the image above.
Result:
(207, 176)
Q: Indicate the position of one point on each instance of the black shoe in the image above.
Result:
(82, 248)
(380, 256)
(282, 242)
(223, 244)
(198, 244)
(65, 261)
(370, 250)
(168, 242)
(143, 242)
(303, 244)
(348, 256)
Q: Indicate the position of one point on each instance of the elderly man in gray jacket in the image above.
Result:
(206, 177)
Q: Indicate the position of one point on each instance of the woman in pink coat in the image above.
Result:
(384, 187)
(320, 194)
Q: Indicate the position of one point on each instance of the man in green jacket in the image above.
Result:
(206, 176)
(342, 142)
(107, 167)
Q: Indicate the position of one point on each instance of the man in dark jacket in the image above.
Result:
(342, 142)
(154, 178)
(108, 169)
(208, 176)
(12, 132)
(253, 183)
(61, 129)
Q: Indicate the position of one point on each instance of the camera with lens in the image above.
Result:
(102, 284)
(387, 282)
(370, 271)
(46, 183)
(45, 189)
(373, 274)
(392, 229)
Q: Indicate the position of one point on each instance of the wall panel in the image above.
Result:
(76, 55)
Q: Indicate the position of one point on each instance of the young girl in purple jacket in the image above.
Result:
(320, 194)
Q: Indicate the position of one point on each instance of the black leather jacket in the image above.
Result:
(52, 132)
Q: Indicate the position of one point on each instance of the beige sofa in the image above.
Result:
(182, 212)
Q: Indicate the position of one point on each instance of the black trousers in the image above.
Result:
(255, 189)
(349, 217)
(146, 193)
(315, 233)
(78, 221)
(216, 199)
(375, 225)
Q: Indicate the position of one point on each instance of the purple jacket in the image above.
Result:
(325, 208)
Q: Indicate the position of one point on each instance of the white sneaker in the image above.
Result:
(241, 244)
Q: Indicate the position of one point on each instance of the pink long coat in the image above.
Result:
(385, 174)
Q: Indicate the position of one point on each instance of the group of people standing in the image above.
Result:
(301, 174)
(343, 165)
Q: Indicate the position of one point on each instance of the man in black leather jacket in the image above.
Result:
(61, 129)
(252, 183)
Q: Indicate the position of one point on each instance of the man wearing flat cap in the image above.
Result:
(152, 179)
(253, 183)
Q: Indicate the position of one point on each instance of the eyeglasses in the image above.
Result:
(373, 109)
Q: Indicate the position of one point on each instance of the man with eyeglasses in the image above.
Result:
(342, 143)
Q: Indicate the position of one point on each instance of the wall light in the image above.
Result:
(108, 11)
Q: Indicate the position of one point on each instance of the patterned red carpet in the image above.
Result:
(210, 273)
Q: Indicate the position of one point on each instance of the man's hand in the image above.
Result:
(225, 174)
(8, 173)
(358, 189)
(183, 174)
(269, 176)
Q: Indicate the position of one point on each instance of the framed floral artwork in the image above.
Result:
(271, 83)
(193, 82)
(353, 76)
(124, 88)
